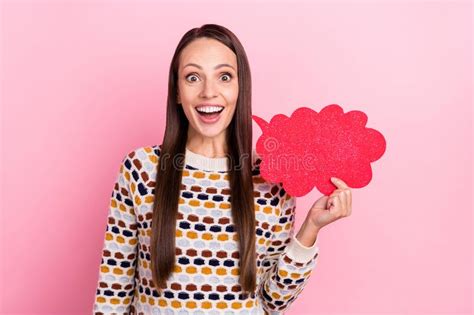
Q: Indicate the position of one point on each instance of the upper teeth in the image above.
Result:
(209, 109)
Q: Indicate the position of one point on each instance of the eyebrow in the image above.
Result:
(216, 67)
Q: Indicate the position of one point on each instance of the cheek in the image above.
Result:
(187, 109)
(231, 99)
(184, 93)
(232, 95)
(231, 112)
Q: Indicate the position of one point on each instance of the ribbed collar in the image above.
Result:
(203, 162)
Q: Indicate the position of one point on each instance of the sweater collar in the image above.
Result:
(203, 162)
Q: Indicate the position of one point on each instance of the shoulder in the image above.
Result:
(146, 151)
(139, 157)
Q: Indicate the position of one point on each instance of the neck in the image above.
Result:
(211, 147)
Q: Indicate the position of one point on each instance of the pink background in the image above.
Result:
(83, 83)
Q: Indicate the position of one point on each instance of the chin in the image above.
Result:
(210, 132)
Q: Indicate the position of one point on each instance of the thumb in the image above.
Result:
(321, 203)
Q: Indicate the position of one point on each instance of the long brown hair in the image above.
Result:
(169, 169)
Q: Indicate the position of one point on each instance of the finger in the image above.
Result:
(321, 202)
(339, 182)
(349, 197)
(347, 201)
(335, 209)
(338, 192)
(343, 202)
(335, 192)
(331, 202)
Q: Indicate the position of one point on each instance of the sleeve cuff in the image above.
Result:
(300, 253)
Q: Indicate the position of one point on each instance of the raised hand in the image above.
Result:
(328, 209)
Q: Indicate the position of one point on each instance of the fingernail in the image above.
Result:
(333, 179)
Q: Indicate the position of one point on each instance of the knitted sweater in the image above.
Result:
(205, 278)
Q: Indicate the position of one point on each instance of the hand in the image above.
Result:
(330, 208)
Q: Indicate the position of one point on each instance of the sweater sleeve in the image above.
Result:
(116, 282)
(288, 264)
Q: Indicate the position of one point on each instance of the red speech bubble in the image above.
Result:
(307, 149)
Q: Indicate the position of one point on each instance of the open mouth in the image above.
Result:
(209, 117)
(202, 113)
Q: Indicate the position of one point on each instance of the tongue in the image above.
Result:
(210, 115)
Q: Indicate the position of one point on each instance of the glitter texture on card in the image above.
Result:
(305, 150)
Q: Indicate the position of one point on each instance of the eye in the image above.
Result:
(228, 75)
(225, 74)
(191, 75)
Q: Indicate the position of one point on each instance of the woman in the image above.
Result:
(192, 226)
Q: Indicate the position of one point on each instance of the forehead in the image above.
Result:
(207, 52)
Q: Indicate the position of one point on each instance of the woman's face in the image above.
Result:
(207, 81)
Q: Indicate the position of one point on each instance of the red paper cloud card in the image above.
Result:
(307, 149)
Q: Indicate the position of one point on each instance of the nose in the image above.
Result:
(209, 90)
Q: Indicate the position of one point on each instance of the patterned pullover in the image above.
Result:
(205, 278)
